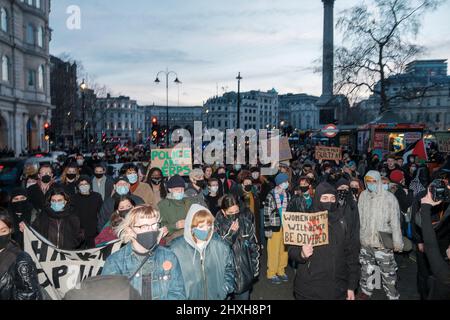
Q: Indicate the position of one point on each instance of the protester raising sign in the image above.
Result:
(328, 153)
(305, 228)
(60, 270)
(172, 161)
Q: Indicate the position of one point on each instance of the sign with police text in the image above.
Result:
(300, 229)
(172, 161)
(328, 153)
(61, 270)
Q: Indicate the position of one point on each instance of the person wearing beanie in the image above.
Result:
(121, 188)
(174, 208)
(379, 212)
(87, 204)
(21, 211)
(276, 204)
(328, 272)
(404, 196)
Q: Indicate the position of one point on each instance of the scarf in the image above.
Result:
(98, 186)
(281, 205)
(133, 187)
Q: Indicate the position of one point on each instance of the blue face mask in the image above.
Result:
(201, 234)
(386, 187)
(57, 206)
(122, 190)
(372, 187)
(178, 195)
(133, 178)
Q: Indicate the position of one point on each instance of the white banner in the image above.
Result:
(61, 270)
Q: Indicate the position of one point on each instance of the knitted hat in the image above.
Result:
(397, 176)
(342, 182)
(281, 178)
(19, 192)
(175, 182)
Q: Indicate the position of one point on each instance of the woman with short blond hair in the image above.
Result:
(153, 270)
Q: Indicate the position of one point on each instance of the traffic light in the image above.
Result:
(155, 129)
(47, 131)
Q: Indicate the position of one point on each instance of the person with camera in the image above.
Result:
(440, 268)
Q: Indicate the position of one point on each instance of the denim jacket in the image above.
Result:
(167, 279)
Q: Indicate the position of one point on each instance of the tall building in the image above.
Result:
(25, 103)
(300, 111)
(64, 95)
(419, 95)
(259, 110)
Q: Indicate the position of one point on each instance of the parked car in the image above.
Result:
(11, 170)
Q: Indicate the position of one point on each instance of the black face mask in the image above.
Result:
(248, 188)
(328, 206)
(99, 175)
(304, 189)
(46, 179)
(123, 213)
(23, 207)
(4, 240)
(148, 239)
(156, 182)
(354, 191)
(71, 176)
(201, 184)
(222, 175)
(342, 194)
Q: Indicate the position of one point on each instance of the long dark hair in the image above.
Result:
(162, 187)
(228, 201)
(116, 219)
(58, 191)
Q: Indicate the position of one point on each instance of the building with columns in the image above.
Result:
(25, 103)
(300, 111)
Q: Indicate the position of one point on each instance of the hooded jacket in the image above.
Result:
(379, 211)
(209, 273)
(334, 268)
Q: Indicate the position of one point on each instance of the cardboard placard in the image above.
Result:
(172, 161)
(284, 148)
(328, 153)
(301, 228)
(443, 142)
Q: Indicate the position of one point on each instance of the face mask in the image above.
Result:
(284, 185)
(221, 176)
(21, 207)
(71, 176)
(148, 239)
(178, 195)
(80, 163)
(372, 187)
(133, 178)
(354, 191)
(237, 167)
(342, 194)
(84, 189)
(200, 183)
(328, 206)
(156, 181)
(123, 213)
(248, 188)
(201, 235)
(57, 206)
(214, 189)
(99, 175)
(122, 190)
(386, 187)
(46, 179)
(255, 175)
(304, 189)
(4, 240)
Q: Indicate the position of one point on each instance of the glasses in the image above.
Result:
(148, 227)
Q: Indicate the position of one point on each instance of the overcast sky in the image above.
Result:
(207, 42)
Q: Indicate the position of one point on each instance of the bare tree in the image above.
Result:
(378, 42)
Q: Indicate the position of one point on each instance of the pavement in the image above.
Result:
(407, 284)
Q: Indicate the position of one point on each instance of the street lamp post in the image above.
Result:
(167, 73)
(239, 78)
(83, 87)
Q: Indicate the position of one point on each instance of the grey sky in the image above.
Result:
(207, 42)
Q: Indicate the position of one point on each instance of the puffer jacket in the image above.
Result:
(18, 275)
(244, 244)
(209, 273)
(167, 280)
(379, 211)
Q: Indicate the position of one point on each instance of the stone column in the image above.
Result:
(328, 48)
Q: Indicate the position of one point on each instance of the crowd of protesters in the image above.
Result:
(203, 236)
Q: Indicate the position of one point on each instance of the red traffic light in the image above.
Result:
(154, 120)
(46, 125)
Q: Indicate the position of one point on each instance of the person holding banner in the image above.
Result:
(331, 271)
(58, 222)
(18, 274)
(153, 270)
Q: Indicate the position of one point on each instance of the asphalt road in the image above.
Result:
(407, 269)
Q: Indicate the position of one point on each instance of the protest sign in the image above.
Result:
(284, 148)
(62, 270)
(328, 153)
(172, 161)
(301, 229)
(443, 142)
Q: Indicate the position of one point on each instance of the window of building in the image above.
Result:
(438, 117)
(38, 4)
(40, 37)
(30, 2)
(31, 78)
(119, 125)
(4, 20)
(219, 123)
(5, 68)
(41, 72)
(30, 34)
